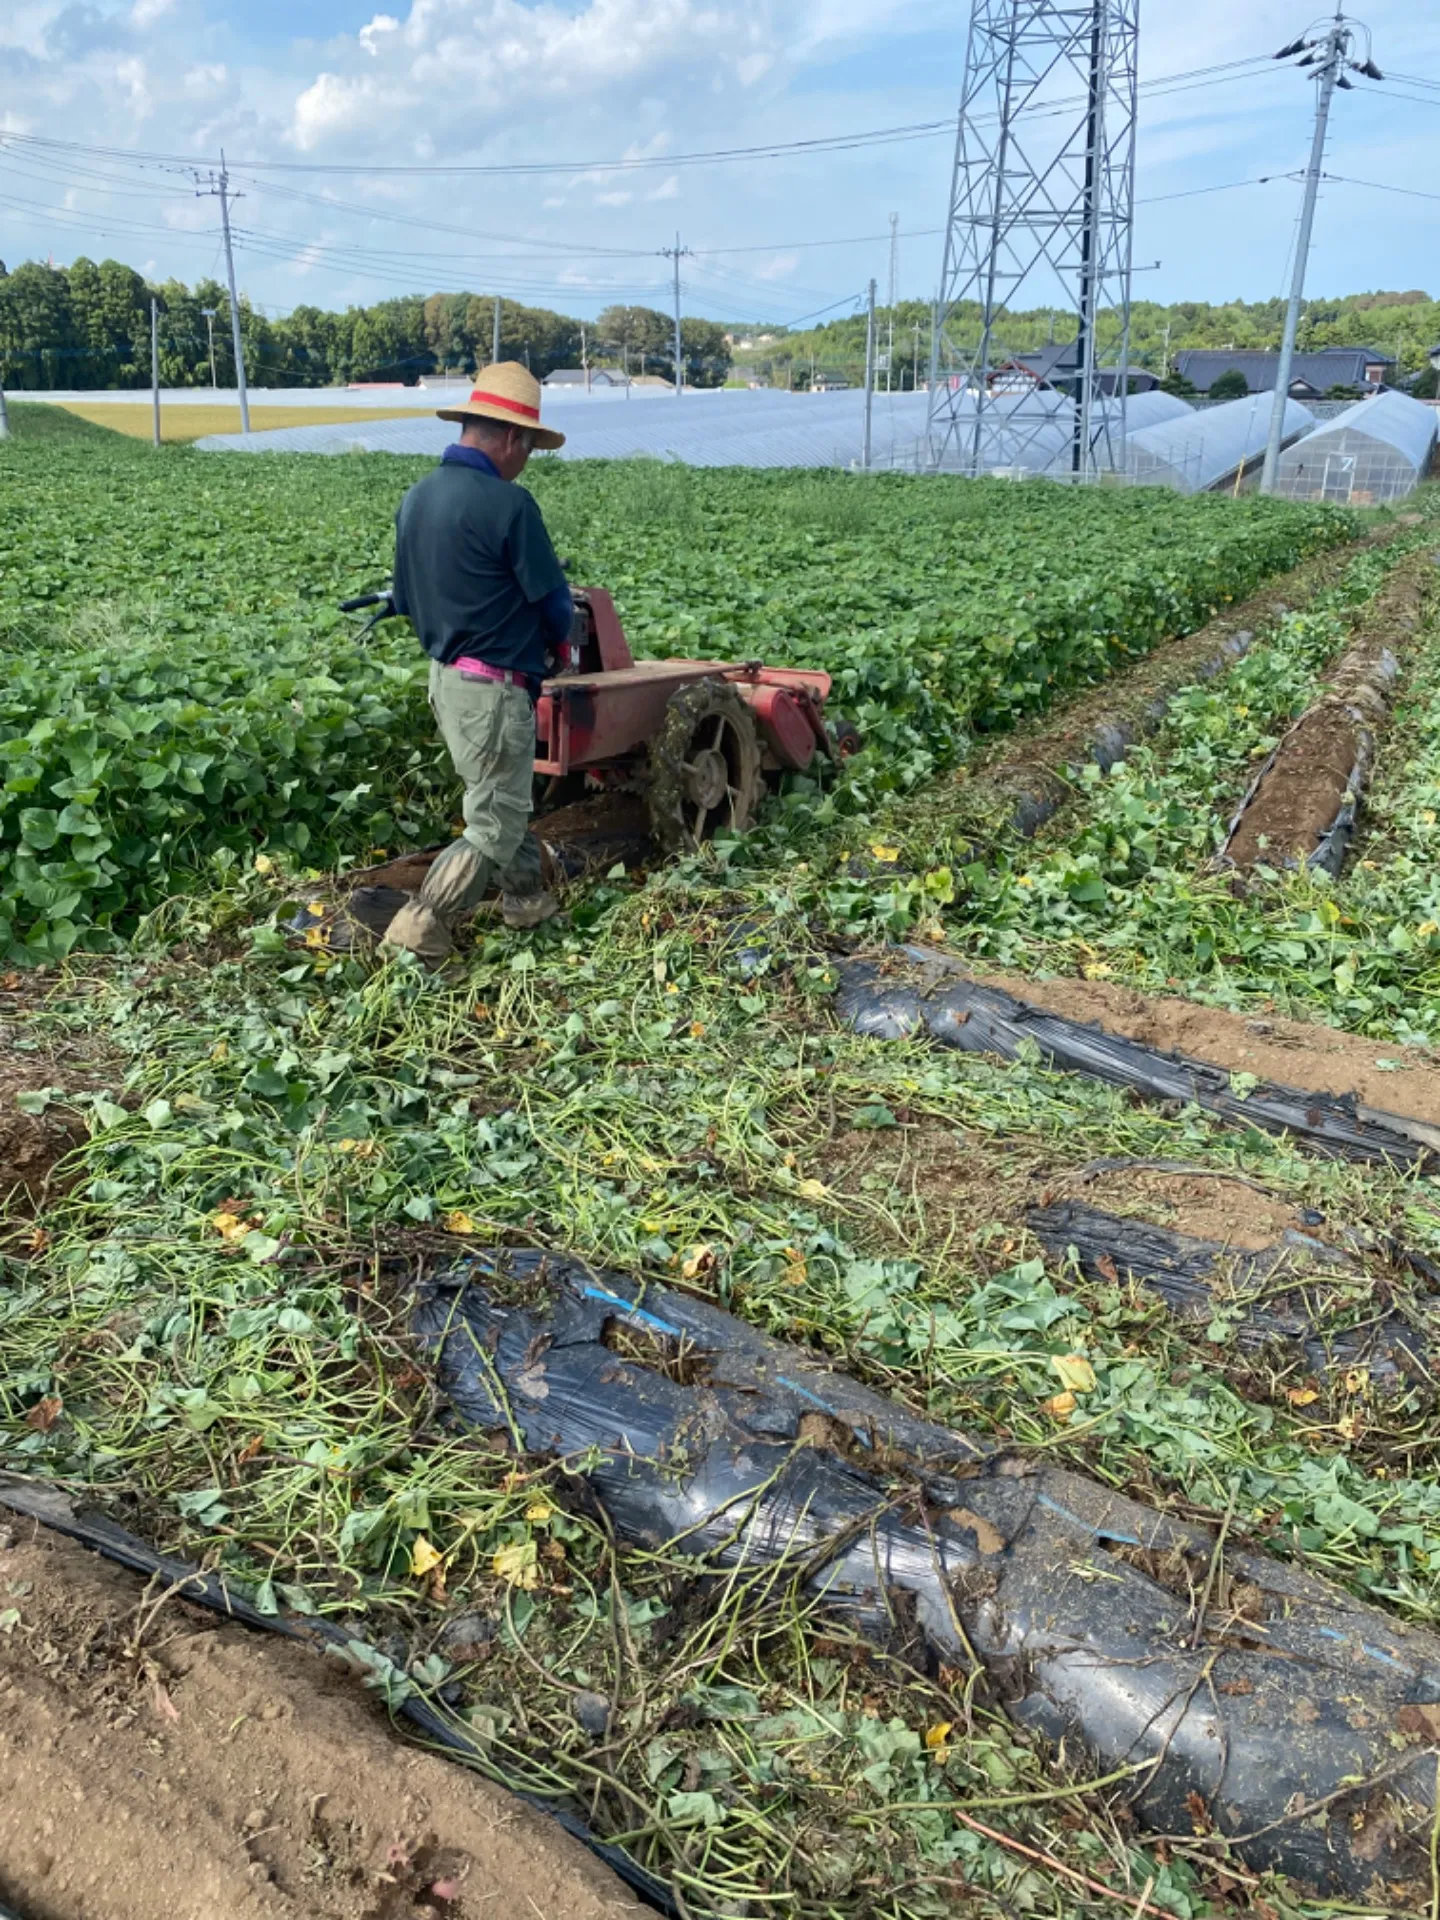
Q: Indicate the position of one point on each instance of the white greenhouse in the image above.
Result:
(1212, 446)
(1377, 450)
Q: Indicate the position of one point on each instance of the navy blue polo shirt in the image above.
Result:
(474, 567)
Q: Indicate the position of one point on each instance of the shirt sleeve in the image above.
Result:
(398, 587)
(557, 610)
(530, 553)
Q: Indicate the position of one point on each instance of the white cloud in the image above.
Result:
(777, 267)
(205, 79)
(668, 189)
(616, 197)
(145, 13)
(132, 76)
(371, 36)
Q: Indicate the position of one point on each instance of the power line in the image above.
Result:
(822, 143)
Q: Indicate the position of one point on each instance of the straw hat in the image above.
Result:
(509, 393)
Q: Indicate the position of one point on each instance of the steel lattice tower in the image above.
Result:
(1041, 211)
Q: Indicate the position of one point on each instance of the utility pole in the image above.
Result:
(915, 359)
(585, 355)
(869, 369)
(495, 335)
(155, 363)
(4, 417)
(1329, 54)
(674, 253)
(890, 335)
(209, 313)
(934, 348)
(220, 188)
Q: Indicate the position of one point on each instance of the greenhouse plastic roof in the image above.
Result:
(1204, 448)
(1387, 421)
(764, 428)
(755, 428)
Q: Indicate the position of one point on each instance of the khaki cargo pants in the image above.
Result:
(489, 730)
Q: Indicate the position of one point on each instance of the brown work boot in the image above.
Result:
(420, 930)
(522, 910)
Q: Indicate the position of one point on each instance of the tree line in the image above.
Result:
(88, 326)
(1405, 325)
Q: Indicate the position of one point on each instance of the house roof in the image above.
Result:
(1326, 367)
(575, 377)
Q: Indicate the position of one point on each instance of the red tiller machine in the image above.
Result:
(699, 738)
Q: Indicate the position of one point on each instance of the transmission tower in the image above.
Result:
(1041, 209)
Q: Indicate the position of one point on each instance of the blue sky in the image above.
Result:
(326, 84)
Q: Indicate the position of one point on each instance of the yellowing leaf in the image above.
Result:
(1427, 927)
(517, 1566)
(459, 1222)
(795, 1267)
(882, 852)
(1301, 1396)
(263, 863)
(939, 1734)
(1061, 1405)
(697, 1029)
(813, 1190)
(424, 1557)
(230, 1226)
(696, 1260)
(1357, 1379)
(317, 937)
(540, 1512)
(1075, 1371)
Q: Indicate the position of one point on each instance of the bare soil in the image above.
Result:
(32, 1143)
(1295, 804)
(1297, 1053)
(1204, 1205)
(195, 1771)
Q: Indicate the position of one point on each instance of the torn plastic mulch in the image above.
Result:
(52, 1507)
(928, 994)
(1255, 1701)
(1277, 1295)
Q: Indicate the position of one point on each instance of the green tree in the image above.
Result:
(38, 344)
(1231, 385)
(706, 352)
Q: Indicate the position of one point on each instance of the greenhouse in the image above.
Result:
(1213, 447)
(1377, 450)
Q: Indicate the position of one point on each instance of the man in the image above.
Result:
(476, 573)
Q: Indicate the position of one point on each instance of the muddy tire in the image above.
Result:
(845, 739)
(705, 775)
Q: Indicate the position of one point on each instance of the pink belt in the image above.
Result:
(482, 670)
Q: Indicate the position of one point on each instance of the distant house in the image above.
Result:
(829, 383)
(1311, 374)
(1058, 366)
(577, 377)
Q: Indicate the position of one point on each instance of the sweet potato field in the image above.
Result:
(237, 1158)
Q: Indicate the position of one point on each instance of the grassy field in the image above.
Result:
(193, 420)
(201, 1324)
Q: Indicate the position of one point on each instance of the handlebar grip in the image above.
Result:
(362, 600)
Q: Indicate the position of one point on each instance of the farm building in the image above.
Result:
(1221, 446)
(1377, 450)
(1311, 374)
(1058, 366)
